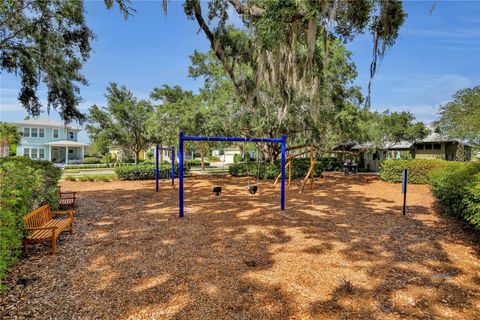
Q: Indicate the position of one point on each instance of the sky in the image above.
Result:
(437, 54)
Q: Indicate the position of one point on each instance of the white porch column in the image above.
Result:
(49, 153)
(66, 155)
(82, 151)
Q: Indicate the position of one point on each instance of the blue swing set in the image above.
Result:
(182, 139)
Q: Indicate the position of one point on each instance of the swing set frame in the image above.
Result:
(182, 139)
(172, 174)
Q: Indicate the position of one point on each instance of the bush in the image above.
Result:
(271, 171)
(237, 158)
(70, 178)
(214, 158)
(195, 163)
(457, 188)
(419, 170)
(146, 172)
(91, 160)
(25, 184)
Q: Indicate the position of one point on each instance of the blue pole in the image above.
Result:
(173, 166)
(180, 172)
(284, 151)
(156, 168)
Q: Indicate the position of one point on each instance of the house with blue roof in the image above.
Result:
(44, 139)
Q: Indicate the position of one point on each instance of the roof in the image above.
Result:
(44, 123)
(65, 143)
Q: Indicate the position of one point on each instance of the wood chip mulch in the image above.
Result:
(343, 251)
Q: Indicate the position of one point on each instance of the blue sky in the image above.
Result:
(436, 55)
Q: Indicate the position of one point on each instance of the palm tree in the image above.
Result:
(9, 135)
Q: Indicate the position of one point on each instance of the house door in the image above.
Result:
(55, 155)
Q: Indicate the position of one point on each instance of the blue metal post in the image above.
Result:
(284, 158)
(173, 166)
(180, 172)
(156, 168)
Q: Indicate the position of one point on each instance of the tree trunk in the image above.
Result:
(5, 149)
(137, 156)
(460, 154)
(160, 151)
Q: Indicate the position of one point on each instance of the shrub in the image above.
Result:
(25, 184)
(457, 189)
(214, 158)
(271, 171)
(146, 172)
(91, 160)
(195, 163)
(237, 158)
(70, 178)
(418, 169)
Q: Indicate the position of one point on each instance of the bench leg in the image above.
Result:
(54, 245)
(25, 250)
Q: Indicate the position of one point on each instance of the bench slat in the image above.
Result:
(42, 218)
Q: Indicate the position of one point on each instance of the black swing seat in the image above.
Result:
(252, 189)
(217, 190)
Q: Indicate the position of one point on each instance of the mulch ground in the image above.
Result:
(343, 251)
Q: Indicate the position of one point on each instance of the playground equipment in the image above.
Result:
(172, 174)
(311, 171)
(182, 139)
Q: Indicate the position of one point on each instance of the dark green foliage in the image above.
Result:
(457, 189)
(25, 184)
(146, 172)
(91, 160)
(46, 41)
(418, 169)
(195, 163)
(122, 123)
(237, 158)
(271, 171)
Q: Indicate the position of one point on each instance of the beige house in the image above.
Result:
(432, 147)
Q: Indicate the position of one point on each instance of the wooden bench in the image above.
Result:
(42, 227)
(67, 199)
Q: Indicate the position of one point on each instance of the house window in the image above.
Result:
(70, 135)
(437, 146)
(41, 133)
(34, 133)
(428, 146)
(56, 133)
(70, 151)
(26, 151)
(419, 146)
(34, 154)
(26, 132)
(41, 153)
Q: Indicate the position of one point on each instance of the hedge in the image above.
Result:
(25, 184)
(271, 171)
(419, 170)
(146, 172)
(457, 189)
